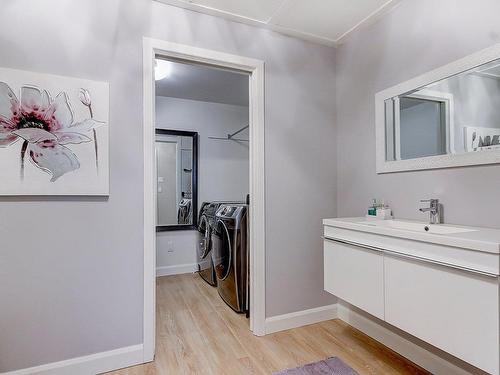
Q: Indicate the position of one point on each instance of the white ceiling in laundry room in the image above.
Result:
(322, 21)
(204, 83)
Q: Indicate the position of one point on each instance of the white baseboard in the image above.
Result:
(177, 269)
(408, 349)
(300, 318)
(382, 332)
(89, 364)
(133, 355)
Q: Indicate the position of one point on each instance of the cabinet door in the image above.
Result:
(355, 275)
(456, 311)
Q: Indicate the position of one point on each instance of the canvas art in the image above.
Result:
(54, 135)
(479, 138)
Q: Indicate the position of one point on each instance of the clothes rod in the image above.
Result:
(230, 137)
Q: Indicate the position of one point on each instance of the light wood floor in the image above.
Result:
(198, 334)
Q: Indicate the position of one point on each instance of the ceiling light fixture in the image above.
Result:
(163, 69)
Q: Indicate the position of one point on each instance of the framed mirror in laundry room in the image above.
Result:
(177, 180)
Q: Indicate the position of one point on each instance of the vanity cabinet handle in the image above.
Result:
(351, 243)
(410, 257)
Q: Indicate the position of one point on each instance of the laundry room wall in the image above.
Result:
(223, 168)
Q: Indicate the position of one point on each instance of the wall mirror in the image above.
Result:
(449, 117)
(176, 172)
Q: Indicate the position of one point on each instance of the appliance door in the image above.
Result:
(203, 238)
(221, 250)
(203, 252)
(222, 254)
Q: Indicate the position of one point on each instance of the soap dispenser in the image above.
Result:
(372, 210)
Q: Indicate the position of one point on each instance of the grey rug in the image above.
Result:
(330, 366)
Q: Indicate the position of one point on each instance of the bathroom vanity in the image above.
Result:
(440, 283)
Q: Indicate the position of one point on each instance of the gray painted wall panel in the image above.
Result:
(415, 37)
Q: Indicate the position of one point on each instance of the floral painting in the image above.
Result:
(53, 135)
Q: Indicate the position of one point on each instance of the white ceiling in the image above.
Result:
(323, 21)
(204, 83)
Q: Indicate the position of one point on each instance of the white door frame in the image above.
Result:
(155, 47)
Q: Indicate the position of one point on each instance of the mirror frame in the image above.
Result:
(439, 161)
(194, 202)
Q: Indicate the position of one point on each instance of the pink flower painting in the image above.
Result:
(45, 128)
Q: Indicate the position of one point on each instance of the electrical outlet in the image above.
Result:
(170, 246)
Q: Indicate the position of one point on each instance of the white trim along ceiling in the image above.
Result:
(327, 22)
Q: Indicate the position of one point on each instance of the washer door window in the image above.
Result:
(204, 237)
(221, 250)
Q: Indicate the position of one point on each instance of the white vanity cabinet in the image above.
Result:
(442, 289)
(356, 275)
(455, 310)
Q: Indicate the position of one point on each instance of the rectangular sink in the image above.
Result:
(417, 227)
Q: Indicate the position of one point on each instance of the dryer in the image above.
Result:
(230, 255)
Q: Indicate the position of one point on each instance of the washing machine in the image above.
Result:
(230, 255)
(204, 259)
(206, 220)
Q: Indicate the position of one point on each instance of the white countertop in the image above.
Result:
(480, 239)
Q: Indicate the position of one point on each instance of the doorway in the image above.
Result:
(153, 49)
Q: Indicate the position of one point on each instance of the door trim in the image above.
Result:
(155, 47)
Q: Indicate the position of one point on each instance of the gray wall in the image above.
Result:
(71, 268)
(415, 37)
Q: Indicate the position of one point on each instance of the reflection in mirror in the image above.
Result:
(176, 168)
(456, 115)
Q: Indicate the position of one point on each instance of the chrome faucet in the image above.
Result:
(434, 210)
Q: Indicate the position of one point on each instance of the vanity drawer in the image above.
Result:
(355, 275)
(454, 310)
